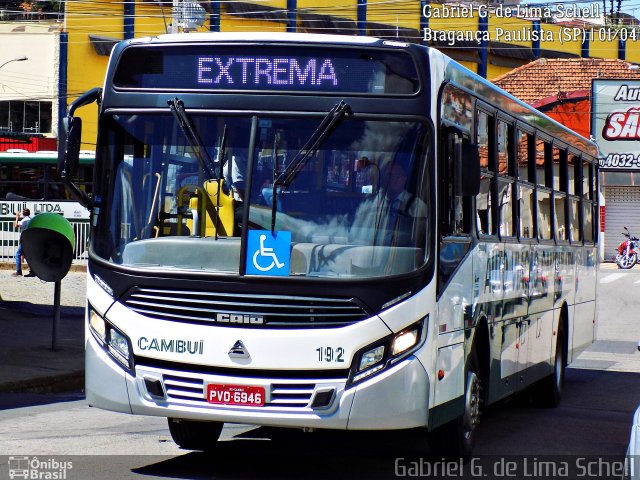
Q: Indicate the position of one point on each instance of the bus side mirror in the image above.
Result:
(70, 134)
(467, 165)
(69, 145)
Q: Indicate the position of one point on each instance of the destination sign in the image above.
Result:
(263, 72)
(259, 68)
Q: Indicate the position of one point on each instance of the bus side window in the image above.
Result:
(456, 214)
(485, 141)
(543, 186)
(455, 208)
(589, 196)
(574, 183)
(526, 156)
(506, 167)
(560, 192)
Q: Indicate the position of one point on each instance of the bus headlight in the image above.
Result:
(112, 340)
(371, 357)
(404, 341)
(377, 357)
(98, 326)
(119, 346)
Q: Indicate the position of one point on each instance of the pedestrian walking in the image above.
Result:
(21, 224)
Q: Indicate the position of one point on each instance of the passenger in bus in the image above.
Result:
(394, 215)
(21, 224)
(333, 175)
(404, 206)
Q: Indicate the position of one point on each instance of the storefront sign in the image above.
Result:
(70, 210)
(615, 123)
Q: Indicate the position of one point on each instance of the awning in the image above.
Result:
(17, 136)
(315, 23)
(102, 45)
(544, 53)
(256, 12)
(508, 50)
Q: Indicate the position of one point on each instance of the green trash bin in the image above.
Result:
(48, 244)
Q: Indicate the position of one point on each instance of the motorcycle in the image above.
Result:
(627, 257)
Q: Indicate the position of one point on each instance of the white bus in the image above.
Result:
(328, 232)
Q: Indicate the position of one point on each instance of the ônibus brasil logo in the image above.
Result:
(35, 468)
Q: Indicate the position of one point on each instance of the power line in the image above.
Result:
(378, 9)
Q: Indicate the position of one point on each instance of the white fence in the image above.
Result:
(9, 241)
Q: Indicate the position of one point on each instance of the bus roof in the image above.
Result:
(503, 100)
(263, 37)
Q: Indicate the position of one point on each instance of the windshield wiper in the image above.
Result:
(201, 153)
(328, 124)
(309, 149)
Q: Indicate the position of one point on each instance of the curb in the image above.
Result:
(12, 266)
(67, 382)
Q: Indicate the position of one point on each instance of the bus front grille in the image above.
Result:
(191, 390)
(245, 310)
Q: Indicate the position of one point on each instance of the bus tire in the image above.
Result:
(456, 439)
(549, 390)
(194, 435)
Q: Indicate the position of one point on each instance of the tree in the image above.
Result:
(21, 9)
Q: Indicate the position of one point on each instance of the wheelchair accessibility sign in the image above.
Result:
(268, 253)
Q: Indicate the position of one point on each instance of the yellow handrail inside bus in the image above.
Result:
(204, 207)
(193, 190)
(155, 202)
(225, 212)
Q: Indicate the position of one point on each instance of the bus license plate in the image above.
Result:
(235, 395)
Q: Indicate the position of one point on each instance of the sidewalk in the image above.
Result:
(609, 266)
(26, 322)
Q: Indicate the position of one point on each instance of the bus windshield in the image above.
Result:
(358, 206)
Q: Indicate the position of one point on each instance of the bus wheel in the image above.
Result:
(456, 439)
(194, 435)
(549, 390)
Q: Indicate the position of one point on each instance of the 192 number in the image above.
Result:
(330, 354)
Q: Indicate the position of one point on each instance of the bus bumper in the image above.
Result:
(398, 398)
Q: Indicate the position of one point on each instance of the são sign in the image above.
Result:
(615, 123)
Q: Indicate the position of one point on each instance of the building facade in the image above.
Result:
(29, 62)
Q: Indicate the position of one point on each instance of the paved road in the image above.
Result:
(593, 419)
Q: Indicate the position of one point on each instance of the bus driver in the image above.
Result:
(390, 214)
